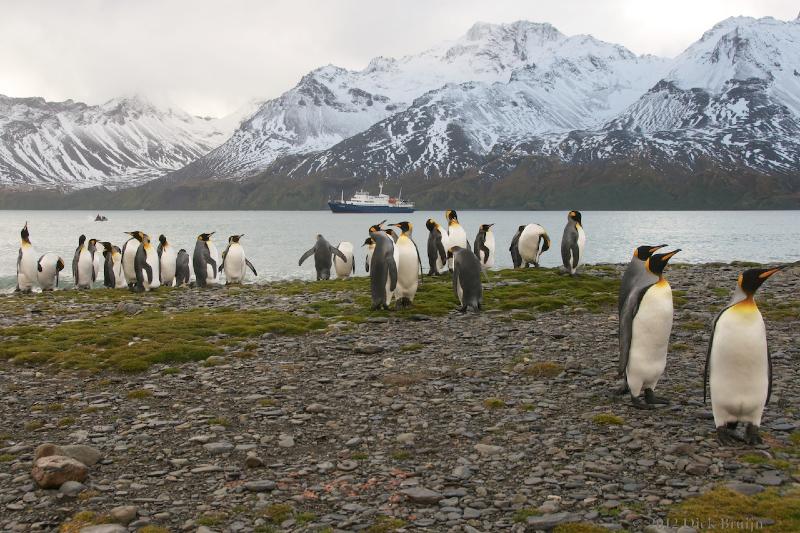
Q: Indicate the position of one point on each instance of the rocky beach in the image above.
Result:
(290, 407)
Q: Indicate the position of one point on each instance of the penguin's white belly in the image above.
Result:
(652, 326)
(47, 277)
(739, 367)
(456, 237)
(489, 243)
(28, 269)
(369, 257)
(234, 264)
(344, 268)
(151, 258)
(129, 260)
(119, 274)
(460, 292)
(581, 244)
(168, 262)
(85, 269)
(97, 265)
(407, 269)
(528, 246)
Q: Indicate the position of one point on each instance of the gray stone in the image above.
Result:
(124, 514)
(71, 488)
(422, 495)
(748, 489)
(552, 520)
(218, 448)
(264, 485)
(105, 528)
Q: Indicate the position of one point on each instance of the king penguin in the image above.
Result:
(516, 258)
(437, 248)
(456, 236)
(467, 278)
(369, 242)
(234, 261)
(484, 246)
(146, 266)
(409, 266)
(183, 273)
(48, 266)
(26, 262)
(533, 242)
(382, 269)
(648, 325)
(205, 260)
(738, 364)
(323, 252)
(573, 243)
(83, 264)
(129, 256)
(97, 259)
(636, 275)
(167, 257)
(345, 269)
(109, 272)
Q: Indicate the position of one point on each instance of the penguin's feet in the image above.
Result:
(727, 437)
(622, 389)
(751, 435)
(651, 398)
(639, 404)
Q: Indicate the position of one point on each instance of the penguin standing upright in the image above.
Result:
(648, 325)
(147, 266)
(83, 264)
(26, 262)
(484, 246)
(322, 252)
(113, 275)
(97, 259)
(516, 258)
(167, 257)
(467, 278)
(204, 260)
(382, 269)
(129, 250)
(573, 243)
(456, 236)
(369, 242)
(48, 266)
(345, 269)
(533, 242)
(409, 266)
(738, 364)
(182, 272)
(234, 261)
(636, 276)
(437, 248)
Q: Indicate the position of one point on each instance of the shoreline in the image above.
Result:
(309, 413)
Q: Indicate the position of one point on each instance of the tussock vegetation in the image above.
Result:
(607, 419)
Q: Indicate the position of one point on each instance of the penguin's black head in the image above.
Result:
(375, 228)
(453, 250)
(486, 227)
(520, 229)
(107, 246)
(645, 251)
(59, 265)
(546, 244)
(135, 234)
(751, 280)
(575, 215)
(162, 239)
(369, 241)
(405, 226)
(451, 215)
(205, 237)
(389, 232)
(235, 238)
(92, 243)
(658, 262)
(81, 240)
(24, 233)
(430, 224)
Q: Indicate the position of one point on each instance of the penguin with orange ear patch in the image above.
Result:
(738, 365)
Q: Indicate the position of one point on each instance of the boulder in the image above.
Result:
(54, 470)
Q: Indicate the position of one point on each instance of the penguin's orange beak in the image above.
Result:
(654, 249)
(669, 255)
(768, 273)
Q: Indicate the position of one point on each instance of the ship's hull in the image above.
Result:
(344, 207)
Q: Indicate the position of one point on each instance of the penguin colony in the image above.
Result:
(738, 369)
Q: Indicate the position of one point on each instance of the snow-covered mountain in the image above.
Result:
(495, 81)
(123, 142)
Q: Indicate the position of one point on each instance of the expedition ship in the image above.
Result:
(364, 202)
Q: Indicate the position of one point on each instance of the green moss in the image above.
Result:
(543, 369)
(152, 529)
(721, 506)
(386, 524)
(6, 458)
(413, 347)
(305, 517)
(521, 516)
(33, 425)
(163, 338)
(82, 520)
(359, 456)
(278, 512)
(211, 519)
(66, 422)
(494, 403)
(171, 370)
(679, 347)
(400, 455)
(140, 394)
(694, 325)
(607, 419)
(679, 299)
(219, 421)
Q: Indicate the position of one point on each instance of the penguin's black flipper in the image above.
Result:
(338, 253)
(250, 265)
(94, 273)
(576, 254)
(210, 260)
(441, 250)
(149, 270)
(19, 260)
(392, 274)
(38, 265)
(306, 256)
(224, 255)
(75, 259)
(419, 260)
(160, 250)
(769, 383)
(626, 316)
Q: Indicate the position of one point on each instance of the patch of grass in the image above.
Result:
(413, 347)
(758, 459)
(33, 425)
(66, 422)
(210, 520)
(679, 347)
(679, 299)
(579, 527)
(781, 309)
(522, 315)
(7, 458)
(547, 290)
(278, 512)
(140, 394)
(544, 369)
(164, 337)
(88, 495)
(359, 456)
(219, 421)
(526, 407)
(494, 403)
(305, 517)
(81, 520)
(400, 455)
(266, 402)
(171, 370)
(522, 515)
(794, 438)
(607, 419)
(694, 325)
(386, 524)
(722, 505)
(54, 407)
(152, 529)
(90, 409)
(720, 292)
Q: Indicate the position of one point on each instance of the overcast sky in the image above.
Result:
(210, 57)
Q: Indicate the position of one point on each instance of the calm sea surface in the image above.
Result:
(275, 240)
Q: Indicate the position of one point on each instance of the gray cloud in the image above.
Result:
(210, 57)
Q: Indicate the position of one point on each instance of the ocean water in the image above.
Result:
(275, 240)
